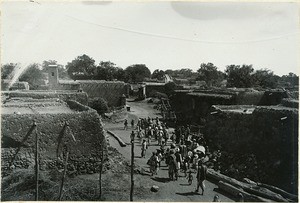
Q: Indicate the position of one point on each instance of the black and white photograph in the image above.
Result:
(149, 101)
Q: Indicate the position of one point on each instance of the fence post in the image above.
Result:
(63, 177)
(132, 162)
(36, 164)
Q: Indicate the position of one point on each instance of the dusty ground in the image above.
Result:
(169, 190)
(116, 175)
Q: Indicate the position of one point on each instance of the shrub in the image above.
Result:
(99, 104)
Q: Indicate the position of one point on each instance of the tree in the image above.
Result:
(107, 70)
(210, 74)
(158, 74)
(137, 73)
(34, 76)
(239, 76)
(265, 78)
(99, 104)
(83, 67)
(7, 70)
(181, 73)
(62, 72)
(291, 79)
(169, 88)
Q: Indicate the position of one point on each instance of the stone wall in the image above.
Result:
(83, 137)
(81, 97)
(111, 91)
(261, 146)
(191, 107)
(152, 89)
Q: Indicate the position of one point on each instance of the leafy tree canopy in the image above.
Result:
(210, 74)
(107, 70)
(239, 76)
(8, 69)
(137, 73)
(158, 74)
(83, 67)
(181, 73)
(34, 76)
(265, 78)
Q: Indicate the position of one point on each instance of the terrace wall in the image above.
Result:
(84, 139)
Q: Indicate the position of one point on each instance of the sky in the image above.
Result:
(162, 35)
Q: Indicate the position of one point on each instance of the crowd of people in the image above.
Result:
(182, 151)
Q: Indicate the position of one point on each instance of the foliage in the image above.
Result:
(265, 78)
(239, 76)
(62, 72)
(182, 73)
(99, 104)
(158, 74)
(34, 76)
(83, 67)
(7, 70)
(291, 79)
(169, 88)
(210, 74)
(137, 73)
(107, 70)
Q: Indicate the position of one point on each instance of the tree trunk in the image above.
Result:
(235, 191)
(279, 191)
(260, 191)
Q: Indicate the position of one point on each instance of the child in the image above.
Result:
(190, 177)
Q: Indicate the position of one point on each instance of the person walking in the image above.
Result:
(132, 123)
(125, 124)
(201, 176)
(190, 177)
(153, 162)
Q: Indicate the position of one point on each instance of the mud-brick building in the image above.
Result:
(111, 91)
(60, 127)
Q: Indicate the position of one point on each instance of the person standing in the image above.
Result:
(201, 176)
(132, 123)
(144, 148)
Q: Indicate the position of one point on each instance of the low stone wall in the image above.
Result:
(80, 97)
(260, 146)
(83, 138)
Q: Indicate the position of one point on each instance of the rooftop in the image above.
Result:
(35, 106)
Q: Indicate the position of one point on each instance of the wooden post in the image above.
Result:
(63, 177)
(36, 164)
(100, 174)
(132, 162)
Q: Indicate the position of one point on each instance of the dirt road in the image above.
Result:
(168, 190)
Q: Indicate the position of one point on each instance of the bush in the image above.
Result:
(99, 104)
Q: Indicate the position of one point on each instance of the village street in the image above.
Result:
(168, 190)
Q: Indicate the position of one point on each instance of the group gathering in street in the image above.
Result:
(183, 152)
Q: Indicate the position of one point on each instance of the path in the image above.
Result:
(168, 190)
